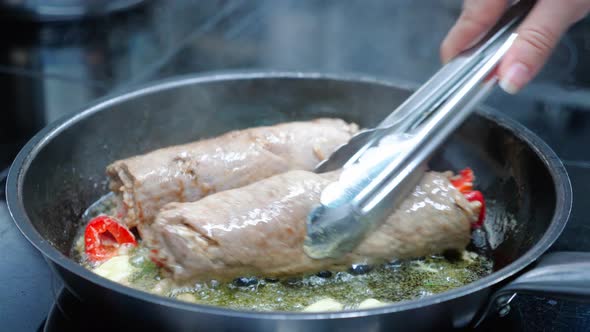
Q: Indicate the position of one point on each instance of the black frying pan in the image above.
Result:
(61, 171)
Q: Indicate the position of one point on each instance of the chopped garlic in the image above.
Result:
(186, 297)
(371, 303)
(79, 244)
(421, 266)
(116, 269)
(162, 287)
(324, 305)
(469, 256)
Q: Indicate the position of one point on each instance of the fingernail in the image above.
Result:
(515, 78)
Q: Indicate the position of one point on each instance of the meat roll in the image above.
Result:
(186, 173)
(259, 229)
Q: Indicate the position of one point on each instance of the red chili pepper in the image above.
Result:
(477, 196)
(463, 181)
(103, 237)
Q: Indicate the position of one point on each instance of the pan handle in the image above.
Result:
(562, 274)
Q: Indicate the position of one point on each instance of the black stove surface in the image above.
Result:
(48, 70)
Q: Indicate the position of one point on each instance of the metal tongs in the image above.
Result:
(380, 166)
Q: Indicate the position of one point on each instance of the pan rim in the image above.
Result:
(28, 153)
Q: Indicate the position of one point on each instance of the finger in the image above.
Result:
(477, 18)
(537, 37)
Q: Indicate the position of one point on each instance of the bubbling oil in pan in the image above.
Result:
(360, 287)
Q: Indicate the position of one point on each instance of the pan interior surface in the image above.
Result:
(65, 174)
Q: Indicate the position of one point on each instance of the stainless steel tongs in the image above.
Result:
(380, 166)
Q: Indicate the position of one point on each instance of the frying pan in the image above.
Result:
(61, 171)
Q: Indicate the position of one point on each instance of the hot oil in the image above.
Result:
(402, 280)
(396, 281)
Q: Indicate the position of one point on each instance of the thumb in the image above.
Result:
(537, 37)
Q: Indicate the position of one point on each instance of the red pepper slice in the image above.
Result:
(103, 237)
(477, 196)
(463, 181)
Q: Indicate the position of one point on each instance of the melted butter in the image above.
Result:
(397, 281)
(388, 283)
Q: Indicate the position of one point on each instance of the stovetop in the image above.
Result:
(48, 70)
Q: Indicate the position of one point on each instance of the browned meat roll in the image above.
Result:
(259, 229)
(186, 173)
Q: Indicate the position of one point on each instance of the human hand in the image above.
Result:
(538, 35)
